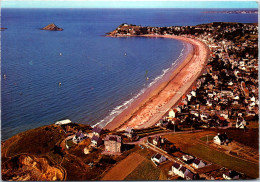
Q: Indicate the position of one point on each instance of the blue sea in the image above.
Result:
(99, 75)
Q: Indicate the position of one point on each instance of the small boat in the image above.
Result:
(60, 54)
(5, 76)
(125, 53)
(59, 84)
(147, 78)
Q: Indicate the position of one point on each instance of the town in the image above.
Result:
(211, 133)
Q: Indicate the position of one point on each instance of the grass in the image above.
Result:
(225, 160)
(253, 124)
(70, 143)
(187, 142)
(210, 137)
(144, 171)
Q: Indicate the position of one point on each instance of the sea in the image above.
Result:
(79, 73)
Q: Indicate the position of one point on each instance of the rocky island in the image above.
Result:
(52, 27)
(2, 29)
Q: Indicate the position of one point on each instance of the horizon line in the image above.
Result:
(148, 4)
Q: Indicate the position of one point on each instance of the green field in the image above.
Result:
(210, 137)
(145, 171)
(211, 155)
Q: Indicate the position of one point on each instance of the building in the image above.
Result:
(158, 158)
(221, 139)
(79, 136)
(129, 132)
(197, 163)
(187, 158)
(241, 123)
(182, 171)
(96, 141)
(175, 168)
(188, 175)
(62, 122)
(113, 143)
(231, 175)
(97, 131)
(157, 140)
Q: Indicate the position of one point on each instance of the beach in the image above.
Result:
(152, 105)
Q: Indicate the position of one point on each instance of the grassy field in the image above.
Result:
(253, 124)
(222, 159)
(189, 143)
(145, 171)
(124, 168)
(210, 137)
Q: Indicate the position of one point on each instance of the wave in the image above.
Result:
(119, 109)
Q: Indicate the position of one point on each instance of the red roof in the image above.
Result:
(181, 104)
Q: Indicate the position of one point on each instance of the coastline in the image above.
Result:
(154, 103)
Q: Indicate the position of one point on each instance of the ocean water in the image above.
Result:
(99, 75)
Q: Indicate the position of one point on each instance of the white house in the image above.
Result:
(172, 113)
(158, 158)
(221, 139)
(182, 171)
(187, 158)
(197, 163)
(193, 93)
(78, 137)
(175, 168)
(241, 123)
(231, 175)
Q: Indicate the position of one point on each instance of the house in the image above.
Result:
(221, 139)
(231, 175)
(157, 140)
(187, 158)
(113, 143)
(129, 132)
(62, 122)
(96, 141)
(182, 171)
(78, 137)
(158, 158)
(175, 168)
(197, 163)
(172, 113)
(241, 123)
(97, 131)
(188, 175)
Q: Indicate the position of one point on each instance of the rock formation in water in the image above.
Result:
(52, 27)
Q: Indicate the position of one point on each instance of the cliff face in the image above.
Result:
(52, 27)
(29, 168)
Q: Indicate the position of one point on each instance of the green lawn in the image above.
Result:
(145, 171)
(210, 137)
(70, 143)
(222, 159)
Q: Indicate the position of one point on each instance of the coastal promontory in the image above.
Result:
(52, 27)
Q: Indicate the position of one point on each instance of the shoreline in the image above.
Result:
(154, 103)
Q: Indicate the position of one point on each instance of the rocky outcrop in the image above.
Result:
(2, 29)
(30, 168)
(52, 27)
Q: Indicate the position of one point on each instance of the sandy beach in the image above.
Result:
(151, 106)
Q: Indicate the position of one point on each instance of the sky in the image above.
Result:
(127, 4)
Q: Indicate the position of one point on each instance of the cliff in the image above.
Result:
(52, 27)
